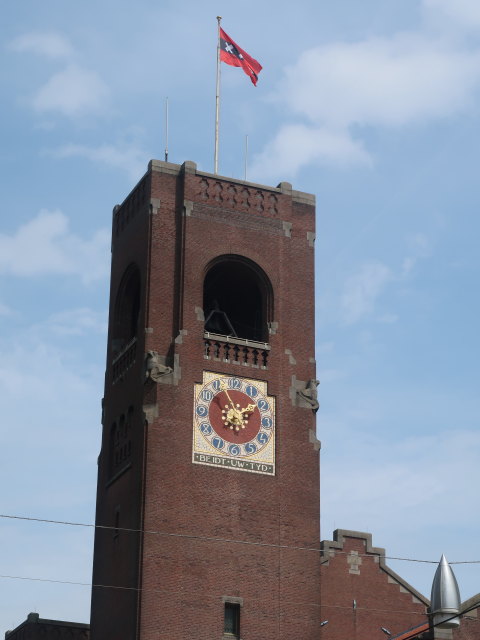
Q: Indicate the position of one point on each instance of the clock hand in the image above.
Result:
(235, 415)
(248, 409)
(223, 387)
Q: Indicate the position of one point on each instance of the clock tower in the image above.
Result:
(208, 479)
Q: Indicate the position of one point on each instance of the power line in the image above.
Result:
(183, 593)
(222, 540)
(188, 536)
(288, 602)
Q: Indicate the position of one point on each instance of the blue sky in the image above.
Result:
(372, 106)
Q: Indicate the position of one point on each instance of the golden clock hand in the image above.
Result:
(234, 416)
(248, 409)
(223, 387)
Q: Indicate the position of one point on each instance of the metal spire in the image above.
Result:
(445, 599)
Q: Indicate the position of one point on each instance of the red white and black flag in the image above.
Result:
(235, 56)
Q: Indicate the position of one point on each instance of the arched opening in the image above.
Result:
(237, 299)
(127, 310)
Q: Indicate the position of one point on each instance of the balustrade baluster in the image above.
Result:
(236, 351)
(264, 358)
(226, 351)
(124, 360)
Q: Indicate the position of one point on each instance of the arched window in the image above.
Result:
(127, 309)
(237, 299)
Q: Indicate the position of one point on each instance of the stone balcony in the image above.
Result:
(241, 351)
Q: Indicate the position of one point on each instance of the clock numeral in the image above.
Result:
(263, 405)
(207, 395)
(202, 410)
(206, 428)
(267, 422)
(234, 383)
(250, 447)
(251, 391)
(234, 449)
(216, 384)
(262, 438)
(218, 443)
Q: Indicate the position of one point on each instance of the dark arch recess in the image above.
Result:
(127, 309)
(237, 298)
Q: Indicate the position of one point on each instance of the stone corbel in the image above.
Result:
(156, 368)
(304, 394)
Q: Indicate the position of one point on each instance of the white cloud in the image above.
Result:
(362, 290)
(297, 145)
(52, 45)
(390, 488)
(381, 81)
(335, 90)
(465, 12)
(420, 247)
(128, 158)
(44, 245)
(74, 91)
(421, 244)
(373, 483)
(75, 322)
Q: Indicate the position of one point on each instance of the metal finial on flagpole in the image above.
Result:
(217, 101)
(166, 129)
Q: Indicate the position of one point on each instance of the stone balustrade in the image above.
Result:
(124, 360)
(236, 350)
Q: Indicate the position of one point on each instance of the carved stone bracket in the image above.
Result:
(304, 394)
(155, 367)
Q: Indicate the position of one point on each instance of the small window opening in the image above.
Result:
(236, 299)
(232, 619)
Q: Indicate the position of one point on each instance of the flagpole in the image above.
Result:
(166, 129)
(217, 101)
(246, 156)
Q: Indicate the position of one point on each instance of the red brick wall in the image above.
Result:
(361, 594)
(195, 218)
(116, 567)
(469, 628)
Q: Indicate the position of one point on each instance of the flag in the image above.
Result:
(233, 55)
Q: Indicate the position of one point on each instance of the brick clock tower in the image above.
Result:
(208, 480)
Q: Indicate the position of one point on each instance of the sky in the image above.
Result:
(374, 107)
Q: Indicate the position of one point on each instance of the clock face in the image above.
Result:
(234, 424)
